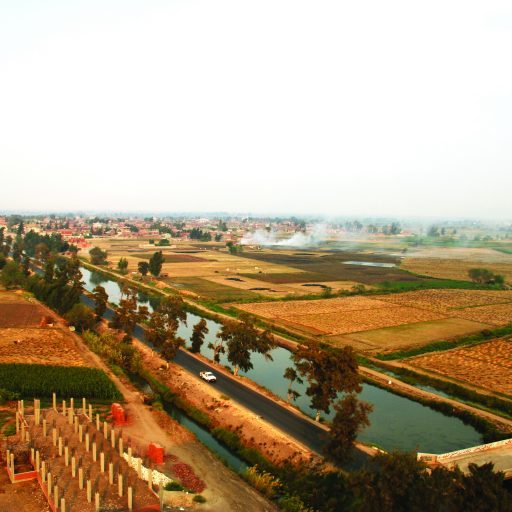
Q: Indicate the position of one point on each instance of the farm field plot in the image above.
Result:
(209, 290)
(499, 314)
(333, 265)
(404, 336)
(387, 322)
(455, 262)
(446, 300)
(487, 365)
(171, 257)
(48, 345)
(22, 341)
(340, 315)
(342, 322)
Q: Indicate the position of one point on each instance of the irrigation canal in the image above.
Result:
(396, 422)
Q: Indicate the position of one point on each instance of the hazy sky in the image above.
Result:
(337, 107)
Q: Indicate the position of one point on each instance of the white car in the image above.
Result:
(207, 376)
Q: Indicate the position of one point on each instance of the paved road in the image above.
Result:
(293, 424)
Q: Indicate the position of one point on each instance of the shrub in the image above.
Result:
(265, 482)
(6, 396)
(81, 317)
(173, 486)
(198, 498)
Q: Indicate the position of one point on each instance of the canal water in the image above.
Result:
(396, 422)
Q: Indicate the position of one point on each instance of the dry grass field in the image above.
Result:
(487, 365)
(387, 322)
(23, 341)
(454, 263)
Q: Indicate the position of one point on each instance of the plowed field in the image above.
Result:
(487, 365)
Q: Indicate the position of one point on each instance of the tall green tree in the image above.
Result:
(81, 317)
(100, 296)
(327, 372)
(242, 339)
(143, 268)
(122, 264)
(199, 332)
(155, 263)
(127, 314)
(350, 418)
(97, 256)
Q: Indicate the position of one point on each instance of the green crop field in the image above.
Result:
(37, 380)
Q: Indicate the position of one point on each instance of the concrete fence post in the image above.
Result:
(54, 401)
(97, 502)
(110, 473)
(102, 462)
(94, 451)
(130, 499)
(89, 491)
(80, 478)
(120, 485)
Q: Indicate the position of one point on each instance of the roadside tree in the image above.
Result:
(327, 373)
(198, 334)
(350, 418)
(101, 301)
(242, 339)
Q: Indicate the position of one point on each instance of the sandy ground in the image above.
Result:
(21, 497)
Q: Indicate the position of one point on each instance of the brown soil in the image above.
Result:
(50, 345)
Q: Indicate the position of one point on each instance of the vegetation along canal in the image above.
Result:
(396, 422)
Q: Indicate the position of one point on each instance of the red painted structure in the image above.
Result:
(156, 453)
(118, 414)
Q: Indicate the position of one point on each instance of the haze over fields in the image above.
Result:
(374, 108)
